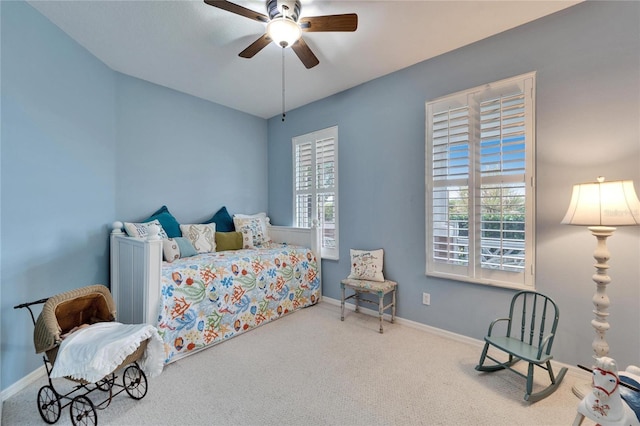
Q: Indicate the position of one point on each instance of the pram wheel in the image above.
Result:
(83, 412)
(106, 383)
(49, 404)
(135, 382)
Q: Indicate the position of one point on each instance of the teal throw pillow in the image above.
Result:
(168, 222)
(223, 220)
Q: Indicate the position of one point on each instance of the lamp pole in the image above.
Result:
(600, 298)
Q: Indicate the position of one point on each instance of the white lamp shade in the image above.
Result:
(283, 31)
(603, 203)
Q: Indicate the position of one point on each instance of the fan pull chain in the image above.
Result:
(283, 113)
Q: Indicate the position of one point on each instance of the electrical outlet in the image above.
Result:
(426, 299)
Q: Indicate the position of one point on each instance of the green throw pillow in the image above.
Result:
(228, 241)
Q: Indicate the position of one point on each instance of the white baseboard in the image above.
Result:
(573, 371)
(409, 323)
(21, 384)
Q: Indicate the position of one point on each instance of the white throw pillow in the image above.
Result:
(249, 216)
(141, 230)
(257, 224)
(202, 237)
(367, 265)
(247, 238)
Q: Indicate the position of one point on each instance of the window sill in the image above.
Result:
(484, 282)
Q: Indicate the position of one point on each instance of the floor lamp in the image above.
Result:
(602, 206)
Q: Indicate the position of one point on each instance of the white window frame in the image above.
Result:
(471, 180)
(329, 246)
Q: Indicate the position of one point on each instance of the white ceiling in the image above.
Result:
(193, 48)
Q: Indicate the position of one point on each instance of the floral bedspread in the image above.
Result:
(214, 296)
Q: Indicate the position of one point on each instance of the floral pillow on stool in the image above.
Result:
(367, 265)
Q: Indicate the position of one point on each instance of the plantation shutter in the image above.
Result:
(479, 176)
(502, 160)
(304, 184)
(451, 159)
(315, 185)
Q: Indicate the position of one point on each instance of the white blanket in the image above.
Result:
(93, 352)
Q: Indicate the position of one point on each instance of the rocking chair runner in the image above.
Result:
(530, 331)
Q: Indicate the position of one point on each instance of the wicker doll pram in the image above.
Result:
(60, 315)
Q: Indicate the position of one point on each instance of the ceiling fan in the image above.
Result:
(285, 26)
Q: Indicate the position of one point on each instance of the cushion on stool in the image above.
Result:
(377, 286)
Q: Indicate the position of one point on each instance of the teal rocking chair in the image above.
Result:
(530, 331)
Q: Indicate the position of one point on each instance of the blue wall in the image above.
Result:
(83, 146)
(58, 180)
(190, 154)
(587, 60)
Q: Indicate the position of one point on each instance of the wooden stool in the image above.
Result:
(380, 288)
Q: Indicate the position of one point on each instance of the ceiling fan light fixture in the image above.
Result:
(283, 31)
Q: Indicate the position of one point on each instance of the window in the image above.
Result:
(315, 187)
(480, 184)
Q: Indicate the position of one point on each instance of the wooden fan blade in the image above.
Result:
(237, 9)
(305, 54)
(346, 22)
(255, 47)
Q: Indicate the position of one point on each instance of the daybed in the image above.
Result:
(198, 301)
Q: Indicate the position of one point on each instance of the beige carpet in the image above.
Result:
(310, 368)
